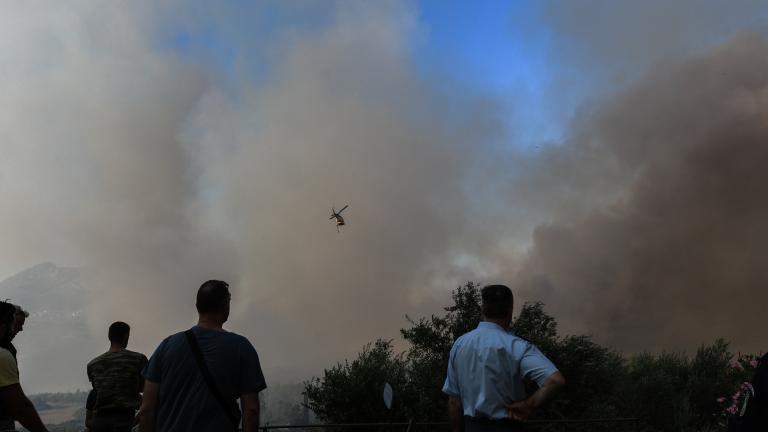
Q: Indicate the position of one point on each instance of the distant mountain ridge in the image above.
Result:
(48, 292)
(56, 339)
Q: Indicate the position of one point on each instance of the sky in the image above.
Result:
(498, 48)
(598, 156)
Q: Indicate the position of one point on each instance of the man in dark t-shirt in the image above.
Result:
(177, 397)
(116, 377)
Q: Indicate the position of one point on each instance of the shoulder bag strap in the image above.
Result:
(192, 340)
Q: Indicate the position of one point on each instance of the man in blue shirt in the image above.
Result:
(486, 369)
(179, 397)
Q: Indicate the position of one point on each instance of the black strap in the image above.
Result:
(229, 409)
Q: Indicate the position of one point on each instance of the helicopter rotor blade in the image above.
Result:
(339, 212)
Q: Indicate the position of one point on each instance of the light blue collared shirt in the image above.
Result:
(486, 369)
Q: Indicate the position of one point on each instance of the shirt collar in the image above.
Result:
(491, 326)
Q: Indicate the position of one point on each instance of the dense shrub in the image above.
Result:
(667, 391)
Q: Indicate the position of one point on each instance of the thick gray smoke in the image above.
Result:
(345, 121)
(154, 173)
(120, 158)
(677, 259)
(93, 173)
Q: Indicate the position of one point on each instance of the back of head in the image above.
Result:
(118, 332)
(213, 297)
(20, 312)
(7, 316)
(497, 301)
(7, 313)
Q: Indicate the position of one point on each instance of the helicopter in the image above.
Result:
(337, 215)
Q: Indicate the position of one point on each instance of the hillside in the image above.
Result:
(56, 334)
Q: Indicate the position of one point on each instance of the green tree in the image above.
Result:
(535, 325)
(430, 342)
(352, 392)
(657, 390)
(668, 391)
(591, 371)
(709, 378)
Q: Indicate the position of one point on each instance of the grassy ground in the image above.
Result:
(59, 413)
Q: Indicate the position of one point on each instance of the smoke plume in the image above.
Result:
(154, 175)
(676, 259)
(154, 171)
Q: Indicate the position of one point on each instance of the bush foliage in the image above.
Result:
(667, 391)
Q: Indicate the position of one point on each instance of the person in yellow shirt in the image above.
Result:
(13, 402)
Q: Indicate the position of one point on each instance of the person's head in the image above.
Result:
(7, 318)
(497, 303)
(21, 318)
(213, 300)
(119, 332)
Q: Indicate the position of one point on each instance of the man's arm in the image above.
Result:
(146, 414)
(251, 411)
(142, 366)
(88, 420)
(456, 414)
(20, 408)
(523, 409)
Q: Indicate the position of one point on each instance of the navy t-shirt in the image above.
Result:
(185, 401)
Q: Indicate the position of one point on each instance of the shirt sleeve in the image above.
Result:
(153, 371)
(451, 386)
(9, 372)
(90, 403)
(143, 363)
(252, 378)
(534, 365)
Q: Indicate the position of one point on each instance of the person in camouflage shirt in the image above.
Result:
(116, 377)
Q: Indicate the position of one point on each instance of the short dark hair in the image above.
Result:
(119, 331)
(21, 312)
(213, 296)
(497, 301)
(7, 313)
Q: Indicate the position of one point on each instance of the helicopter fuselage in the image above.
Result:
(337, 215)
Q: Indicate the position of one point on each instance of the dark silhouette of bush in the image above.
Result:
(668, 391)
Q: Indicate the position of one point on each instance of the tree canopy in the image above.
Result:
(668, 391)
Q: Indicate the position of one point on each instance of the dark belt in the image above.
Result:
(482, 424)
